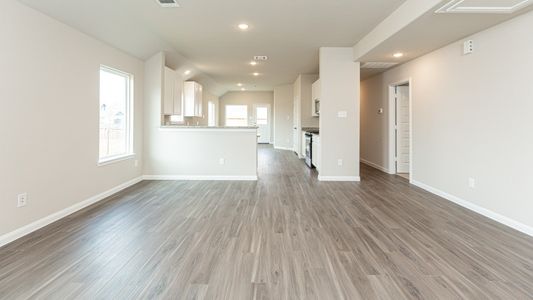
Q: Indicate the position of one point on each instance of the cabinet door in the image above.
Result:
(314, 150)
(303, 145)
(178, 96)
(168, 91)
(198, 103)
(188, 99)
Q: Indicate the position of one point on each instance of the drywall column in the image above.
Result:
(339, 115)
(283, 114)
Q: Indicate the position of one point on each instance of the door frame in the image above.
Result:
(392, 128)
(269, 112)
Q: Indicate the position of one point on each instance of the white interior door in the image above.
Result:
(403, 137)
(263, 121)
(295, 135)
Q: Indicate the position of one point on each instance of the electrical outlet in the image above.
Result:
(339, 162)
(22, 200)
(222, 161)
(472, 183)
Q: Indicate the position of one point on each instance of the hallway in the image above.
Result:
(286, 236)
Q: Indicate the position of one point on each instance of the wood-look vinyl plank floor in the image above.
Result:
(286, 236)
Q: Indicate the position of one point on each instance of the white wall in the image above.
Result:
(283, 114)
(471, 118)
(191, 153)
(374, 133)
(49, 95)
(339, 137)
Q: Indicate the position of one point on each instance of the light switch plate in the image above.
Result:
(342, 114)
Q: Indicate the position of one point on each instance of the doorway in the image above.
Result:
(262, 116)
(400, 137)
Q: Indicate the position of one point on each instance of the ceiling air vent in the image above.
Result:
(377, 65)
(484, 6)
(168, 3)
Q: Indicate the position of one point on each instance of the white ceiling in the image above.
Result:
(432, 31)
(290, 32)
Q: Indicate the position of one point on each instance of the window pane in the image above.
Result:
(262, 115)
(236, 115)
(114, 114)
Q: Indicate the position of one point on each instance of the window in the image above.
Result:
(211, 111)
(116, 98)
(261, 115)
(236, 115)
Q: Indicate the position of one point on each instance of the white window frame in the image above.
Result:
(102, 161)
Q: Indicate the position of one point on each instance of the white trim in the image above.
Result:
(476, 208)
(339, 178)
(115, 159)
(130, 111)
(283, 148)
(200, 177)
(376, 166)
(208, 129)
(392, 132)
(27, 229)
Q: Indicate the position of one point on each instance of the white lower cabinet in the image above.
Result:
(302, 148)
(316, 151)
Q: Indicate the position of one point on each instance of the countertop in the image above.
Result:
(313, 130)
(207, 127)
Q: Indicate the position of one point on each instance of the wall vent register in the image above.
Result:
(168, 3)
(484, 6)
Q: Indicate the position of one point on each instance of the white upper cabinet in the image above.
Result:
(172, 93)
(315, 98)
(193, 97)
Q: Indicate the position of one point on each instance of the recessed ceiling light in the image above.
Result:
(239, 84)
(243, 26)
(256, 74)
(243, 89)
(398, 54)
(187, 72)
(253, 63)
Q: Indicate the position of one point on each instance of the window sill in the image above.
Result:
(115, 159)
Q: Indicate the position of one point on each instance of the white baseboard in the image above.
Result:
(476, 208)
(339, 178)
(199, 177)
(283, 148)
(375, 166)
(18, 233)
